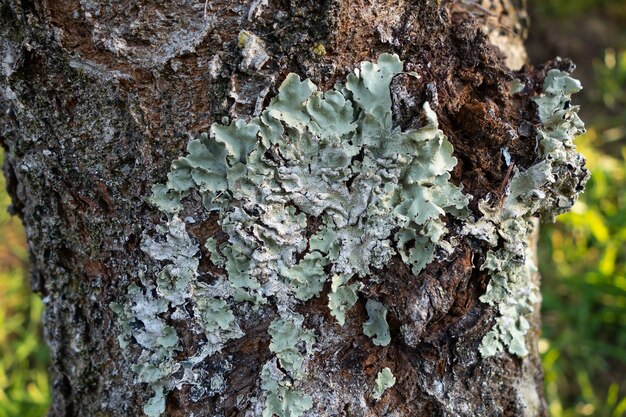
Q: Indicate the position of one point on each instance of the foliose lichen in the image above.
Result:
(384, 381)
(177, 291)
(546, 189)
(333, 156)
(376, 326)
(334, 160)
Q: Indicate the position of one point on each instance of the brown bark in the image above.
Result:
(99, 97)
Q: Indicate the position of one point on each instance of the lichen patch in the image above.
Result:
(374, 192)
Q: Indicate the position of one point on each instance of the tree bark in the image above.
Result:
(99, 97)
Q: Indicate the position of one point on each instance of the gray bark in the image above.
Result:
(99, 97)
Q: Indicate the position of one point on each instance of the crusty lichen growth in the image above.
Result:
(319, 50)
(252, 50)
(547, 188)
(332, 155)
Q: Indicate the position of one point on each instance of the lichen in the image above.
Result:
(376, 326)
(384, 381)
(341, 298)
(288, 340)
(252, 49)
(177, 288)
(282, 399)
(319, 50)
(288, 337)
(333, 156)
(157, 340)
(373, 190)
(547, 188)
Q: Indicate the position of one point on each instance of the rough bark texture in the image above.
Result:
(99, 97)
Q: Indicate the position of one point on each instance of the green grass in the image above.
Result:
(583, 262)
(24, 387)
(568, 8)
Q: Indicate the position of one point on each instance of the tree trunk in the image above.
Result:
(98, 99)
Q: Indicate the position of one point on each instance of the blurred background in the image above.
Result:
(582, 256)
(24, 357)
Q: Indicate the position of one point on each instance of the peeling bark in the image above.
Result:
(97, 98)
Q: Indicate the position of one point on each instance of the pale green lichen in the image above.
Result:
(334, 156)
(282, 399)
(549, 187)
(216, 258)
(376, 326)
(158, 341)
(373, 190)
(178, 289)
(341, 298)
(516, 86)
(384, 381)
(156, 405)
(288, 337)
(301, 154)
(288, 340)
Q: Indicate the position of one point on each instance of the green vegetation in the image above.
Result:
(568, 8)
(24, 388)
(583, 262)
